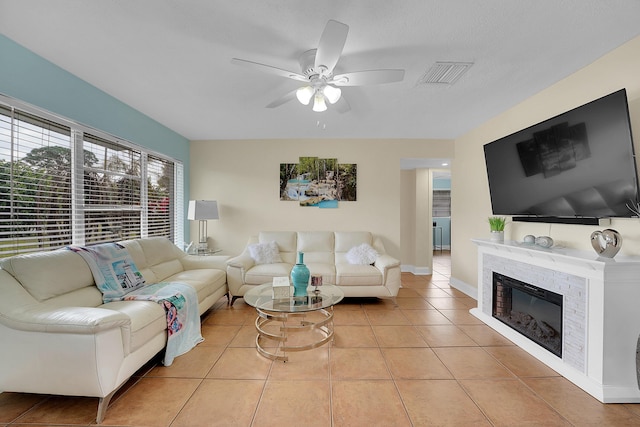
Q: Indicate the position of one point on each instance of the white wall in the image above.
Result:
(470, 192)
(243, 176)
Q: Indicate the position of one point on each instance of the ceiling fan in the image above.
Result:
(320, 82)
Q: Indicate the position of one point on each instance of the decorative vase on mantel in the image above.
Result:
(497, 236)
(300, 277)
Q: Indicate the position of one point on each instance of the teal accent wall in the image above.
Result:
(442, 183)
(32, 79)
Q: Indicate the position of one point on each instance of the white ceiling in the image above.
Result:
(171, 59)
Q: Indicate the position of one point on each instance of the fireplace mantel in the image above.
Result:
(602, 312)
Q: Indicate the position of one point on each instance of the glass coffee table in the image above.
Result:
(309, 317)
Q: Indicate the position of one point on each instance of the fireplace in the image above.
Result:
(532, 311)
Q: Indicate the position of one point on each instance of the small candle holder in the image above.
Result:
(316, 281)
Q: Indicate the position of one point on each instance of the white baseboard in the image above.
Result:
(471, 291)
(418, 271)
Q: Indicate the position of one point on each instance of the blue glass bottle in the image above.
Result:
(300, 277)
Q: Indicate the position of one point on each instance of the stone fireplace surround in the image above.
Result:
(601, 312)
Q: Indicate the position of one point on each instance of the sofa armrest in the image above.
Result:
(243, 261)
(236, 269)
(384, 262)
(194, 262)
(75, 320)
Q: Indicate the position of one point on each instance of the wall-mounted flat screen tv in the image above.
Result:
(577, 165)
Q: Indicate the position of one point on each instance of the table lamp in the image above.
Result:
(202, 210)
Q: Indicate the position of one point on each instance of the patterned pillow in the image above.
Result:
(362, 255)
(265, 253)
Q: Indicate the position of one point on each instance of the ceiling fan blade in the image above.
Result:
(370, 77)
(331, 44)
(342, 106)
(269, 69)
(282, 100)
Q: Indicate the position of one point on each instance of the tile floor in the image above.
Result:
(424, 362)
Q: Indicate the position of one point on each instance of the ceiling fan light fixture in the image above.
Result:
(318, 103)
(304, 94)
(332, 93)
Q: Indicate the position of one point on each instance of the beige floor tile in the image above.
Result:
(221, 403)
(354, 336)
(379, 304)
(413, 304)
(461, 317)
(426, 317)
(303, 365)
(471, 363)
(448, 303)
(439, 403)
(485, 336)
(241, 363)
(633, 407)
(386, 317)
(12, 405)
(194, 364)
(445, 336)
(62, 410)
(151, 402)
(407, 293)
(415, 364)
(218, 335)
(520, 362)
(294, 403)
(230, 317)
(578, 406)
(350, 317)
(398, 336)
(433, 293)
(367, 403)
(246, 337)
(358, 363)
(510, 403)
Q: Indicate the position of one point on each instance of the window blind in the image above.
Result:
(62, 183)
(35, 183)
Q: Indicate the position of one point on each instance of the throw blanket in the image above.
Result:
(180, 303)
(118, 278)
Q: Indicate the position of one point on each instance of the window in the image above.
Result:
(62, 183)
(441, 203)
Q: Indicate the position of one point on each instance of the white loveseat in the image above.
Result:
(59, 338)
(325, 253)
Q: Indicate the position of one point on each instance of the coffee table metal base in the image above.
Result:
(289, 324)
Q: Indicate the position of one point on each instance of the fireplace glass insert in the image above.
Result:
(532, 311)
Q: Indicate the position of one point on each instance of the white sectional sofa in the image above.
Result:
(325, 253)
(59, 338)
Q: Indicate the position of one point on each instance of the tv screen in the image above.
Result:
(577, 164)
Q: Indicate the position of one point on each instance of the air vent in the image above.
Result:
(444, 73)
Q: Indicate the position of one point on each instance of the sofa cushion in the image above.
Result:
(358, 275)
(317, 246)
(204, 280)
(327, 271)
(148, 319)
(286, 241)
(162, 257)
(136, 252)
(265, 253)
(265, 273)
(34, 272)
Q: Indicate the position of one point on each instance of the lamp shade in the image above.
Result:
(332, 93)
(304, 94)
(202, 210)
(318, 103)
